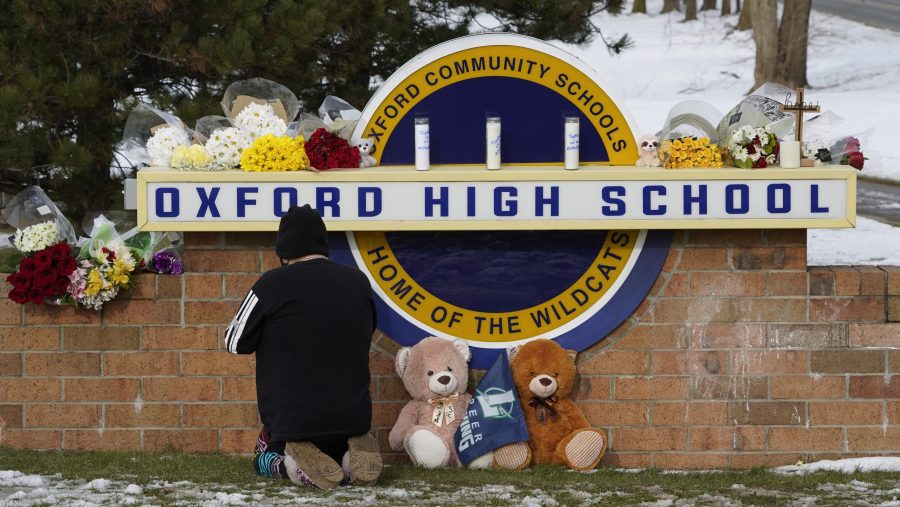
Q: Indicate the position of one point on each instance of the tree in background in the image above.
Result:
(690, 10)
(745, 22)
(709, 5)
(639, 6)
(670, 5)
(70, 70)
(780, 49)
(726, 8)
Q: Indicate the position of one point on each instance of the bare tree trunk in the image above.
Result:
(793, 37)
(708, 5)
(726, 7)
(737, 5)
(690, 10)
(639, 6)
(745, 22)
(669, 6)
(765, 34)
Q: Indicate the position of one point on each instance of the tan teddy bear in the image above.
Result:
(435, 372)
(544, 374)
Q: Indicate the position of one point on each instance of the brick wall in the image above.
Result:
(740, 356)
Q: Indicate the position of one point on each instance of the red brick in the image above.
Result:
(238, 388)
(179, 338)
(102, 389)
(701, 310)
(728, 283)
(673, 257)
(748, 237)
(846, 281)
(893, 309)
(871, 281)
(729, 438)
(769, 361)
(840, 413)
(210, 312)
(860, 308)
(31, 439)
(181, 440)
(101, 338)
(617, 413)
(694, 413)
(169, 287)
(215, 261)
(237, 286)
(894, 360)
(29, 338)
(10, 312)
(382, 364)
(649, 439)
(615, 362)
(181, 389)
(653, 337)
(804, 387)
(202, 286)
(893, 411)
(875, 335)
(775, 237)
(690, 363)
(221, 415)
(821, 281)
(770, 310)
(728, 336)
(679, 285)
(740, 387)
(651, 388)
(781, 413)
(847, 361)
(385, 413)
(786, 283)
(142, 415)
(217, 363)
(874, 439)
(807, 335)
(626, 460)
(30, 389)
(140, 364)
(806, 439)
(203, 239)
(10, 417)
(10, 364)
(142, 312)
(56, 315)
(52, 364)
(68, 415)
(694, 258)
(768, 258)
(893, 279)
(755, 460)
(239, 440)
(875, 386)
(105, 440)
(259, 239)
(690, 461)
(586, 388)
(143, 286)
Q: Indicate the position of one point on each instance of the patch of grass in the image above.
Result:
(408, 485)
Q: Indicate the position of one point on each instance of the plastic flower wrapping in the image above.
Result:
(53, 267)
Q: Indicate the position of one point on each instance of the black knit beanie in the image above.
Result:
(301, 232)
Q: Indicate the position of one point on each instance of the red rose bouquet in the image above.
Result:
(42, 275)
(329, 151)
(849, 152)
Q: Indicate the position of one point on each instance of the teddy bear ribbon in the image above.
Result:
(542, 406)
(444, 409)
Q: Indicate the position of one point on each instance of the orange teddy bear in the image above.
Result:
(544, 374)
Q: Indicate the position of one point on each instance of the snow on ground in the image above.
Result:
(853, 70)
(870, 243)
(847, 466)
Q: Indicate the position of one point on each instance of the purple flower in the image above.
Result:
(167, 263)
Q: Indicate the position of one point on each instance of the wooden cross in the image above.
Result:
(798, 107)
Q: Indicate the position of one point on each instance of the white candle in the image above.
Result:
(789, 152)
(423, 144)
(571, 142)
(493, 142)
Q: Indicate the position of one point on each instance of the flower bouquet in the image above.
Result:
(327, 150)
(159, 252)
(43, 275)
(690, 152)
(753, 148)
(151, 137)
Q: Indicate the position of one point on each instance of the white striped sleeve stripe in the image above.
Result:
(236, 328)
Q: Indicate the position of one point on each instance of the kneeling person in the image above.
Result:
(310, 323)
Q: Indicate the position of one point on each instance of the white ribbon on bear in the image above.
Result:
(444, 410)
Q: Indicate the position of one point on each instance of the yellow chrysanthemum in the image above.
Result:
(270, 153)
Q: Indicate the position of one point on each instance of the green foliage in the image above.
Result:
(70, 70)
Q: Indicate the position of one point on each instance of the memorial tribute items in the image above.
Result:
(492, 142)
(327, 150)
(753, 148)
(690, 152)
(798, 107)
(571, 142)
(544, 374)
(648, 148)
(422, 142)
(759, 109)
(435, 372)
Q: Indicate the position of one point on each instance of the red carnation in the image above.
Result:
(66, 266)
(43, 259)
(28, 267)
(60, 251)
(19, 296)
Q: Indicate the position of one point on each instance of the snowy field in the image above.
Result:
(853, 70)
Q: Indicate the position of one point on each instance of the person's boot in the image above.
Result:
(315, 465)
(365, 460)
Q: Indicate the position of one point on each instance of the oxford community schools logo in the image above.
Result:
(501, 287)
